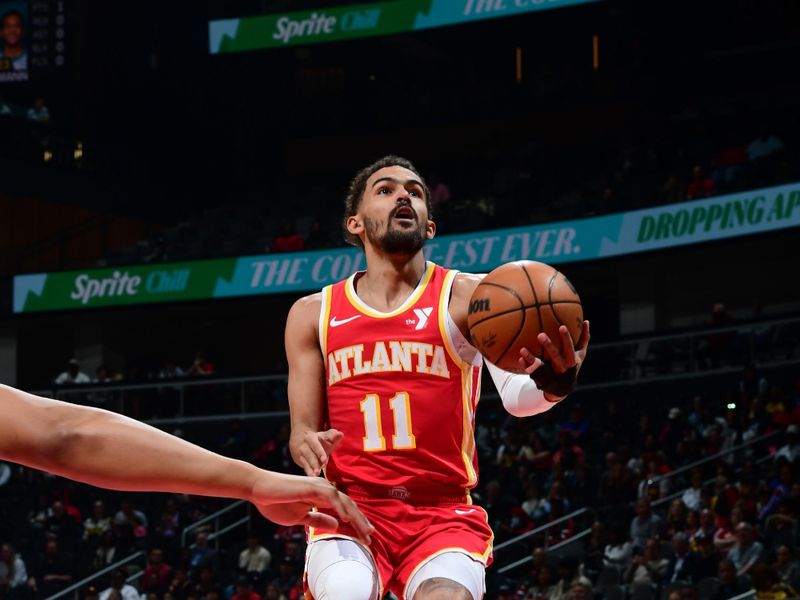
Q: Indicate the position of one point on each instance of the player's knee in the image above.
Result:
(345, 580)
(441, 588)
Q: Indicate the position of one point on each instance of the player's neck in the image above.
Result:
(390, 279)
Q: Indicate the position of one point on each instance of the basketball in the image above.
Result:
(514, 303)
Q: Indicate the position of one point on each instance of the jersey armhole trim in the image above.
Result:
(324, 315)
(459, 348)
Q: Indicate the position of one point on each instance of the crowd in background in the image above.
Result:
(728, 524)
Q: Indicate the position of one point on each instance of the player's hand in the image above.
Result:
(288, 500)
(565, 363)
(315, 449)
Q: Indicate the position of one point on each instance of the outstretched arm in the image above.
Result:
(112, 451)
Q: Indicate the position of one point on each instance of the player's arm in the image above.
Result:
(112, 451)
(544, 383)
(309, 445)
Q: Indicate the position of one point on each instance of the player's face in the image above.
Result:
(393, 213)
(12, 30)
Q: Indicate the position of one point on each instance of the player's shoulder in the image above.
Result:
(465, 283)
(306, 309)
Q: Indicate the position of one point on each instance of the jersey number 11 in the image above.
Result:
(403, 438)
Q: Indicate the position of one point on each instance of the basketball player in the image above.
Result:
(383, 386)
(111, 451)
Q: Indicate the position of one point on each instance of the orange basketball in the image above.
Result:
(514, 303)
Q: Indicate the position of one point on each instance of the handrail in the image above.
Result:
(719, 454)
(76, 586)
(541, 528)
(748, 594)
(208, 518)
(561, 544)
(695, 332)
(160, 383)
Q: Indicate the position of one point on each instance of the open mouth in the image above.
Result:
(405, 212)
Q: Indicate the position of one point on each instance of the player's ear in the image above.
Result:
(430, 230)
(354, 224)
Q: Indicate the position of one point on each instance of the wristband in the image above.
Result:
(555, 385)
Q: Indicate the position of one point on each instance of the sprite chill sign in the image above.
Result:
(361, 20)
(755, 211)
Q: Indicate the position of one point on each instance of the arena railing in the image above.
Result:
(75, 588)
(554, 548)
(644, 360)
(672, 474)
(216, 518)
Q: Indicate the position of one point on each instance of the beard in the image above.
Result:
(395, 240)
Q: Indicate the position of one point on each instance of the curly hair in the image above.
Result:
(355, 191)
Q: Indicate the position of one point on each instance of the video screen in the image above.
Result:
(13, 41)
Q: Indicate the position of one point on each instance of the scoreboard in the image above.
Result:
(34, 37)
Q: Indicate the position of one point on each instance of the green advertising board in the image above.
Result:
(661, 227)
(361, 20)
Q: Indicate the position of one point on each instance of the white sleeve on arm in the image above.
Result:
(519, 393)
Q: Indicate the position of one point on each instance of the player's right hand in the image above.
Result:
(315, 449)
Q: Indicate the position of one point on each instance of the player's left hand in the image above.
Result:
(557, 373)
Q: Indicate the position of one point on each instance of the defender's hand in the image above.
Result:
(288, 500)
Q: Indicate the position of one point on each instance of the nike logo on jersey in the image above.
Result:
(422, 315)
(464, 512)
(335, 323)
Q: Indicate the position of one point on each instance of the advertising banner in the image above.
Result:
(617, 234)
(360, 20)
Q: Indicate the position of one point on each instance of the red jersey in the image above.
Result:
(399, 391)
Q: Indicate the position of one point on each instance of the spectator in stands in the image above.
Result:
(91, 593)
(440, 192)
(244, 590)
(594, 551)
(234, 442)
(544, 585)
(53, 572)
(730, 584)
(287, 575)
(780, 488)
(39, 113)
(539, 558)
(103, 375)
(581, 590)
(691, 496)
(288, 240)
(701, 185)
(181, 585)
(72, 375)
(577, 424)
(255, 559)
(106, 553)
(569, 575)
(117, 584)
(61, 524)
(787, 566)
(617, 485)
(683, 564)
(648, 568)
(676, 517)
(645, 525)
(619, 550)
(708, 563)
(764, 145)
(157, 574)
(791, 449)
(768, 584)
(97, 524)
(131, 516)
(170, 370)
(706, 530)
(747, 551)
(203, 556)
(13, 572)
(201, 367)
(273, 593)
